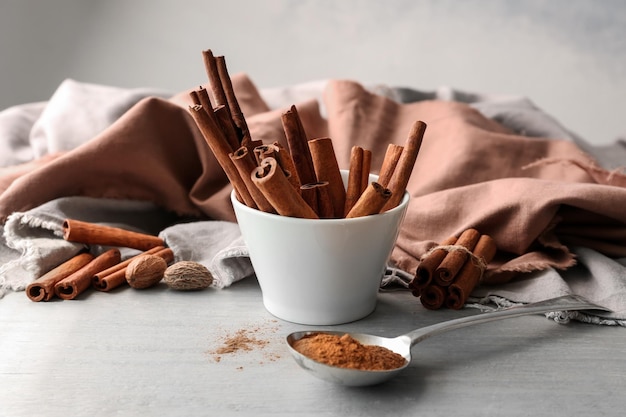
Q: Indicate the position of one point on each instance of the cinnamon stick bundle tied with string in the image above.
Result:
(455, 257)
(463, 260)
(430, 262)
(471, 273)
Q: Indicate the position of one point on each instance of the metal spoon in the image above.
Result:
(403, 344)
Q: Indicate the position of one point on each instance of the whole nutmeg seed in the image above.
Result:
(187, 276)
(145, 271)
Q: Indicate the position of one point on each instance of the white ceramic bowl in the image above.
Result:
(319, 272)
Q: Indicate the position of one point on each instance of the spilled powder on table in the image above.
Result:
(251, 338)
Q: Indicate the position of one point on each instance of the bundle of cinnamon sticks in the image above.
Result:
(303, 180)
(103, 272)
(448, 273)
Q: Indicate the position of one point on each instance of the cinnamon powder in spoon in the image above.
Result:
(347, 352)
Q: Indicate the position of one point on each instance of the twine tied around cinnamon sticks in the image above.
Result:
(304, 179)
(449, 272)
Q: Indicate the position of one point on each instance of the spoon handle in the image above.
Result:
(565, 303)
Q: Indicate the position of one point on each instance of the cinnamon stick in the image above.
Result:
(201, 97)
(366, 169)
(98, 276)
(317, 197)
(266, 150)
(245, 164)
(454, 259)
(372, 200)
(233, 105)
(284, 159)
(42, 289)
(427, 266)
(392, 156)
(355, 178)
(471, 272)
(288, 165)
(327, 169)
(95, 234)
(113, 280)
(73, 285)
(271, 180)
(228, 129)
(210, 65)
(433, 296)
(402, 173)
(220, 147)
(297, 142)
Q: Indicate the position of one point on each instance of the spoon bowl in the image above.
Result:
(402, 344)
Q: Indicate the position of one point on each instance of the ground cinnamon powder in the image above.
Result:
(347, 352)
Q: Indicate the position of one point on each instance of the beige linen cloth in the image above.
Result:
(544, 200)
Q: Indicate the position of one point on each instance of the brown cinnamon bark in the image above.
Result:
(355, 177)
(426, 269)
(318, 198)
(454, 259)
(469, 276)
(210, 65)
(233, 105)
(97, 277)
(392, 156)
(228, 129)
(367, 168)
(95, 234)
(433, 297)
(201, 97)
(267, 150)
(73, 285)
(42, 289)
(327, 169)
(271, 180)
(297, 142)
(402, 173)
(282, 156)
(114, 279)
(288, 165)
(220, 147)
(372, 200)
(245, 164)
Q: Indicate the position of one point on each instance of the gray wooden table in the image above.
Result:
(157, 353)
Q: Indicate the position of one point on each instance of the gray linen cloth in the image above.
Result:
(31, 242)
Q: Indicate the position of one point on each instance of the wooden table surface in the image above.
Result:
(159, 352)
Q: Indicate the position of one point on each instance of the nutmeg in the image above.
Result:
(187, 276)
(145, 271)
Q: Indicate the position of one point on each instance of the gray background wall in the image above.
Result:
(568, 56)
